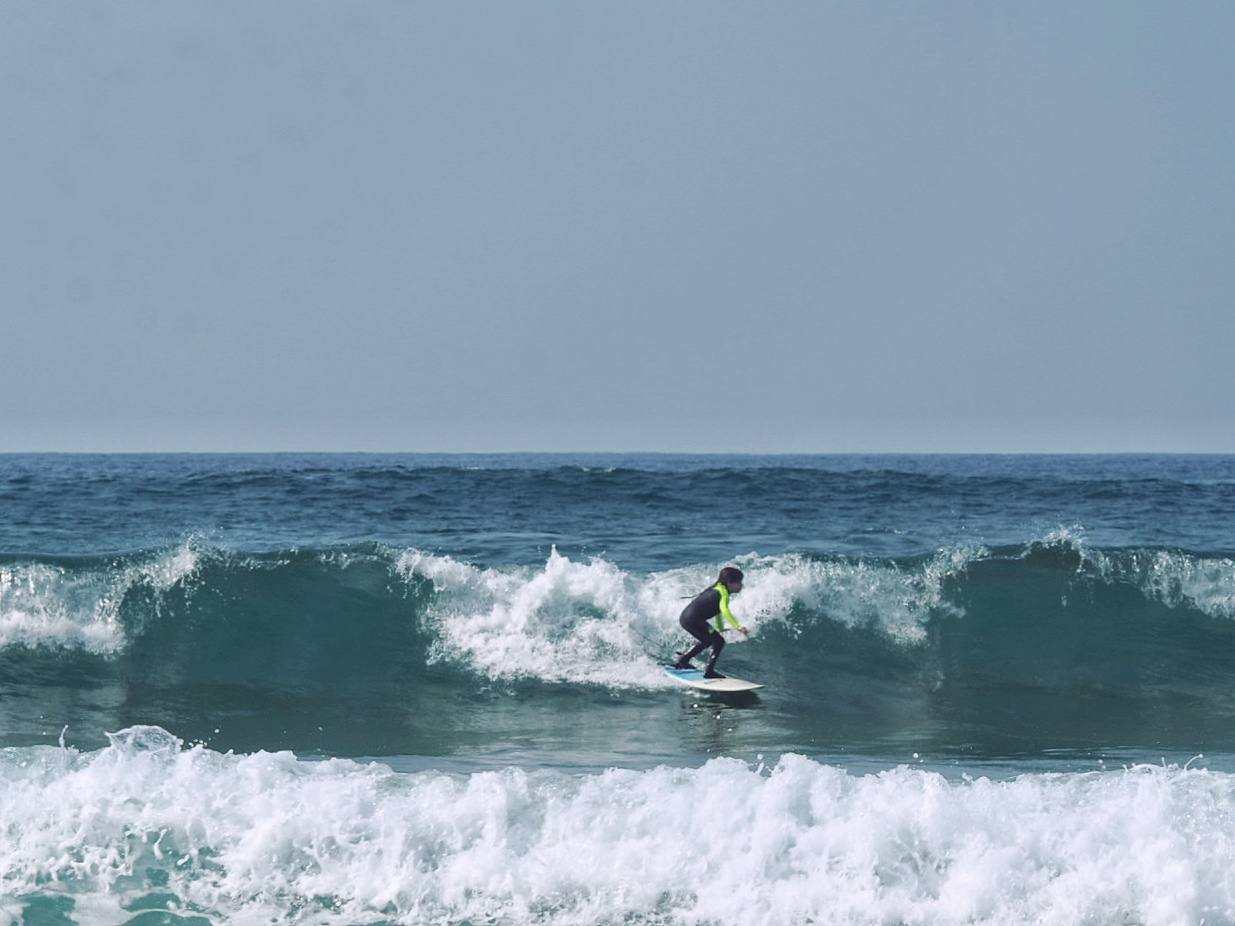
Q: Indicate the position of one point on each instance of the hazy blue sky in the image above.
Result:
(617, 226)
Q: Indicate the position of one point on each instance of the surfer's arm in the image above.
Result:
(728, 616)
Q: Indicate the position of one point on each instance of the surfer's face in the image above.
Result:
(734, 587)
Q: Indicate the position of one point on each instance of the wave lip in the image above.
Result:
(896, 600)
(52, 605)
(268, 837)
(1176, 579)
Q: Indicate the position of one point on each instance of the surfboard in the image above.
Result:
(694, 678)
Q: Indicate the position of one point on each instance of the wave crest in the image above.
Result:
(74, 607)
(322, 617)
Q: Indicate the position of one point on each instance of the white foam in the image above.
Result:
(1179, 579)
(890, 599)
(44, 605)
(268, 838)
(593, 622)
(1174, 578)
(566, 622)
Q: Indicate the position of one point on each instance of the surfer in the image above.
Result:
(708, 604)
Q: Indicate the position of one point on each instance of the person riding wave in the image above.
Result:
(711, 603)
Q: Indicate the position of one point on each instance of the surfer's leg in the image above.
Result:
(685, 658)
(700, 633)
(717, 642)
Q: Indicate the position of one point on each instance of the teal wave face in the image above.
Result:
(369, 650)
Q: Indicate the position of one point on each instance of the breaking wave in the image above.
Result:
(588, 622)
(146, 824)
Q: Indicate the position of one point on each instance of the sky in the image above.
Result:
(594, 226)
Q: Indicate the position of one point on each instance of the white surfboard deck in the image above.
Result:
(694, 678)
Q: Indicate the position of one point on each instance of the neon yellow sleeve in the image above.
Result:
(725, 612)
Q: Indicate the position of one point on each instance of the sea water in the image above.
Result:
(361, 689)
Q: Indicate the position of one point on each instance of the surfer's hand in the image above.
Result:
(744, 631)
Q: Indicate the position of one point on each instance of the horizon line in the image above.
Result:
(619, 453)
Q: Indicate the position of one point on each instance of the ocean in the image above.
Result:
(425, 689)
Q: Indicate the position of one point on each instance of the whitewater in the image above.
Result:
(148, 824)
(426, 689)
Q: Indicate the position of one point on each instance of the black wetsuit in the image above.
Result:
(696, 620)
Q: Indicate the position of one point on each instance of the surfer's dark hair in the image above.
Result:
(730, 574)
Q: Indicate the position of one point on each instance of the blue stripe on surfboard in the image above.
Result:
(697, 680)
(692, 674)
